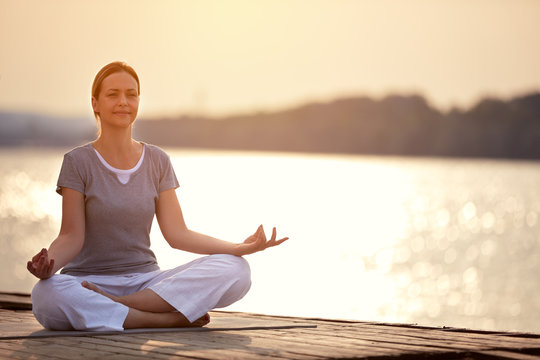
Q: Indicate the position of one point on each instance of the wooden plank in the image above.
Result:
(427, 341)
(384, 339)
(18, 348)
(305, 345)
(287, 349)
(15, 301)
(16, 315)
(160, 348)
(23, 352)
(209, 350)
(383, 345)
(503, 354)
(455, 343)
(440, 335)
(379, 336)
(83, 343)
(364, 348)
(511, 337)
(242, 343)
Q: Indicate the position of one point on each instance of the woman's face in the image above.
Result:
(118, 100)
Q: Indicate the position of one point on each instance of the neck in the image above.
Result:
(115, 140)
(118, 148)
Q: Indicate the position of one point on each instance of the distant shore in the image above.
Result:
(395, 125)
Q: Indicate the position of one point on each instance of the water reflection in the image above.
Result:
(478, 236)
(430, 241)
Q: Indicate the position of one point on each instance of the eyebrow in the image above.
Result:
(132, 89)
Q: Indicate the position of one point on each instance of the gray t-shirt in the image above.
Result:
(118, 217)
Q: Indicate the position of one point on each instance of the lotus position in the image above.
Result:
(111, 190)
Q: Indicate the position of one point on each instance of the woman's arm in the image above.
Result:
(174, 229)
(69, 241)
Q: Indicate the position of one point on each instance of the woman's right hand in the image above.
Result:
(40, 266)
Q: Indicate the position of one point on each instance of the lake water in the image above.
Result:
(430, 241)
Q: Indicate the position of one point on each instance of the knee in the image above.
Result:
(44, 296)
(242, 272)
(48, 299)
(235, 268)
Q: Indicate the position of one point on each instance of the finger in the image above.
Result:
(41, 255)
(40, 262)
(32, 264)
(37, 256)
(259, 232)
(280, 241)
(38, 270)
(273, 238)
(260, 240)
(263, 234)
(43, 264)
(30, 267)
(50, 268)
(255, 234)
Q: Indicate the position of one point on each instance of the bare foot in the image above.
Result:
(200, 322)
(94, 288)
(142, 319)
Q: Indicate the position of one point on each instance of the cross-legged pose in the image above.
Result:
(111, 189)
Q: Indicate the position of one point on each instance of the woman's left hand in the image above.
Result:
(258, 242)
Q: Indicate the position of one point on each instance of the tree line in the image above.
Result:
(394, 125)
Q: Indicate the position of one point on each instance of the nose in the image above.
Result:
(123, 99)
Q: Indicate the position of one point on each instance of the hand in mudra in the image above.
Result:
(40, 266)
(258, 242)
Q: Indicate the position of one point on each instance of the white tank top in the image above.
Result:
(123, 175)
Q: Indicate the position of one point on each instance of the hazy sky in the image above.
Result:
(226, 56)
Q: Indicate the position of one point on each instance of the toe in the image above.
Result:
(202, 321)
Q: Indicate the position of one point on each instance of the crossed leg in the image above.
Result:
(148, 309)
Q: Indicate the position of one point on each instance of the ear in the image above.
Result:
(95, 105)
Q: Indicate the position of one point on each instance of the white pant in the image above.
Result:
(62, 303)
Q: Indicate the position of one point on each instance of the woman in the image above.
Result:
(111, 189)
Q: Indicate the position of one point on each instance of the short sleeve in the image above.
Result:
(69, 176)
(167, 179)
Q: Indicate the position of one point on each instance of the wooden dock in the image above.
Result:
(277, 337)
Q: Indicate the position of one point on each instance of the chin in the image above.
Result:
(119, 124)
